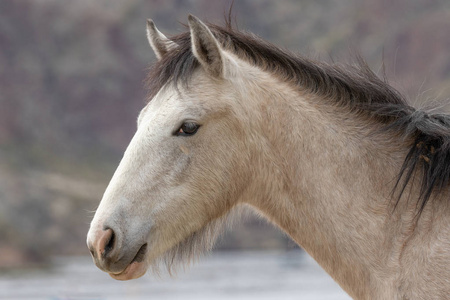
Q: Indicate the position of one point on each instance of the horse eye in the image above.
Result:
(188, 128)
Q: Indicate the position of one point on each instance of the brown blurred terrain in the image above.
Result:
(71, 86)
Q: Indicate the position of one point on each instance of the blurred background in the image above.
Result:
(71, 87)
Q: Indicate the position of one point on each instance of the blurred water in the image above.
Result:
(235, 275)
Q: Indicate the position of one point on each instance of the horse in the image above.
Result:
(330, 153)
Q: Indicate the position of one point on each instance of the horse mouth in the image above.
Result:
(136, 268)
(140, 255)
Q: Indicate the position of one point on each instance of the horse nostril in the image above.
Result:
(109, 245)
(104, 244)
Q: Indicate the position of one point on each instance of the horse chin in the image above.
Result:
(132, 271)
(137, 267)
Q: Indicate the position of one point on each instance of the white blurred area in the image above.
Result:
(222, 275)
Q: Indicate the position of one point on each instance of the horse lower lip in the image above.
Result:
(138, 258)
(132, 271)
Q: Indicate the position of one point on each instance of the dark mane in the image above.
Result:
(352, 86)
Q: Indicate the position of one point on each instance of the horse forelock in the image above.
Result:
(354, 86)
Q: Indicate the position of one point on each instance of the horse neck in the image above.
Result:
(326, 179)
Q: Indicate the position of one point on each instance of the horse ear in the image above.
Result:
(205, 47)
(158, 41)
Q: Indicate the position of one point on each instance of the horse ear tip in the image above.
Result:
(193, 19)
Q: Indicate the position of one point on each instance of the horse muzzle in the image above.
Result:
(112, 254)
